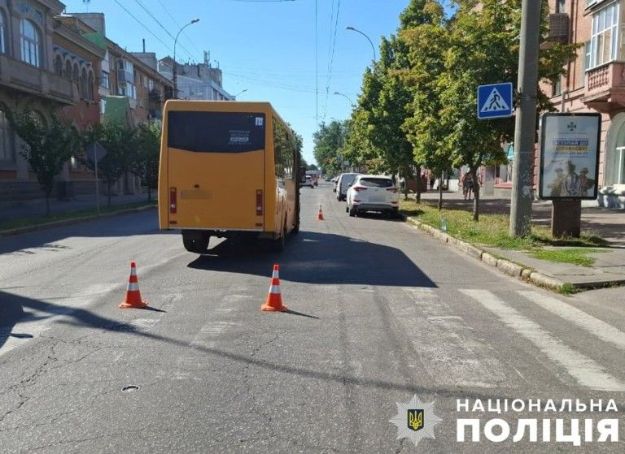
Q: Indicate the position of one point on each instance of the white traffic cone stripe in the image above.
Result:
(133, 286)
(275, 289)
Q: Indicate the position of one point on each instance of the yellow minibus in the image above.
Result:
(228, 169)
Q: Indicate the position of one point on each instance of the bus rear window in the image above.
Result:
(216, 132)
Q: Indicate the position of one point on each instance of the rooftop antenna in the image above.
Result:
(86, 2)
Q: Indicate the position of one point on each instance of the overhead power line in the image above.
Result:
(162, 26)
(143, 25)
(178, 26)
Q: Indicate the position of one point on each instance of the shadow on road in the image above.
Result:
(141, 223)
(318, 258)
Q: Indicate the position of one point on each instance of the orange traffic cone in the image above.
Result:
(133, 295)
(320, 214)
(274, 298)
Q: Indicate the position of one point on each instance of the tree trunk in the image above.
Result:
(476, 196)
(440, 192)
(418, 178)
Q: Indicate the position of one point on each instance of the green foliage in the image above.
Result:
(145, 164)
(48, 146)
(120, 142)
(494, 232)
(329, 141)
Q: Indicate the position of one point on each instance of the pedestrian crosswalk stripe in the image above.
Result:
(587, 372)
(599, 328)
(495, 103)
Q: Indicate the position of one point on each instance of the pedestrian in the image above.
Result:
(467, 186)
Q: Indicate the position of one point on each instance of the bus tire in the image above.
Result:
(279, 243)
(194, 244)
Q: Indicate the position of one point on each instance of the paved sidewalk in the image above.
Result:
(609, 266)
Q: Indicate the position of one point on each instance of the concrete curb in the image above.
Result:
(70, 221)
(505, 266)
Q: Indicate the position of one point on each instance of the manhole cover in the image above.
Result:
(130, 388)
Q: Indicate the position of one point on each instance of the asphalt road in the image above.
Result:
(379, 312)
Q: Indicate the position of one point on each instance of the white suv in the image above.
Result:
(373, 193)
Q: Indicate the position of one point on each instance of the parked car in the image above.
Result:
(373, 193)
(345, 180)
(308, 181)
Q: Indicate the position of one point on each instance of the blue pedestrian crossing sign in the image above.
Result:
(494, 101)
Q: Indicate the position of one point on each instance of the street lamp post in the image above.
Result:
(174, 71)
(345, 96)
(239, 93)
(365, 35)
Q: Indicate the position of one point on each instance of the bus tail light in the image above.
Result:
(173, 200)
(259, 202)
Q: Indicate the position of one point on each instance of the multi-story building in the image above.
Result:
(130, 84)
(595, 79)
(196, 81)
(30, 82)
(131, 89)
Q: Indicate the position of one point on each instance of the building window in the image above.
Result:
(90, 87)
(76, 75)
(30, 42)
(6, 145)
(104, 80)
(557, 87)
(2, 33)
(83, 84)
(58, 65)
(560, 6)
(604, 41)
(68, 70)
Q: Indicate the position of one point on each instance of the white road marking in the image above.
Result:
(599, 328)
(445, 344)
(587, 372)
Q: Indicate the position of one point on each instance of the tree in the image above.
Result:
(425, 35)
(47, 147)
(145, 164)
(329, 141)
(484, 48)
(120, 143)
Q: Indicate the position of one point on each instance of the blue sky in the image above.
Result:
(265, 47)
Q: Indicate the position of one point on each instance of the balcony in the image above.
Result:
(36, 81)
(605, 87)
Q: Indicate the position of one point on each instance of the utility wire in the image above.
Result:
(143, 25)
(331, 55)
(162, 26)
(178, 26)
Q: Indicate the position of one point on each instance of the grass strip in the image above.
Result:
(492, 230)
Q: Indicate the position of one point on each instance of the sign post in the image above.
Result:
(95, 152)
(569, 167)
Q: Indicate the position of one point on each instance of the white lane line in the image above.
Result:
(587, 372)
(599, 328)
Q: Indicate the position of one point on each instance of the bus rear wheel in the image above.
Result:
(195, 243)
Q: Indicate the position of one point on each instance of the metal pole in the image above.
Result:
(174, 70)
(97, 184)
(369, 39)
(525, 126)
